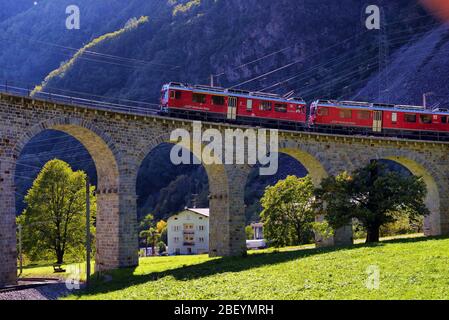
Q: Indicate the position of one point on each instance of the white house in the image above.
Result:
(188, 232)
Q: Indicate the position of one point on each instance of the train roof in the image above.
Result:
(234, 92)
(380, 106)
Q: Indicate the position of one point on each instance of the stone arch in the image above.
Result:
(418, 166)
(111, 249)
(314, 167)
(226, 221)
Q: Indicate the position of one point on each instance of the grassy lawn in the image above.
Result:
(410, 268)
(46, 271)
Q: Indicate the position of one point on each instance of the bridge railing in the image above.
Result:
(80, 99)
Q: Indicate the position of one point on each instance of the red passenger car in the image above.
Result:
(378, 118)
(233, 105)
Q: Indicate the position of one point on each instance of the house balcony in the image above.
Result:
(189, 232)
(189, 243)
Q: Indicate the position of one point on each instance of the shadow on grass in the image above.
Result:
(124, 278)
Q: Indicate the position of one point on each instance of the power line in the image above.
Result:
(89, 52)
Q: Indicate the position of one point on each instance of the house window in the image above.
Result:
(444, 119)
(265, 106)
(199, 98)
(278, 107)
(200, 239)
(249, 105)
(175, 228)
(411, 118)
(323, 111)
(188, 226)
(218, 100)
(364, 115)
(176, 239)
(201, 228)
(425, 118)
(345, 114)
(394, 117)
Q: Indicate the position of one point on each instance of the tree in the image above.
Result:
(249, 231)
(373, 196)
(288, 212)
(151, 232)
(161, 227)
(54, 220)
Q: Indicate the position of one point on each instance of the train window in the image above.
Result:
(444, 119)
(425, 118)
(199, 98)
(323, 111)
(394, 117)
(364, 115)
(175, 94)
(249, 105)
(218, 100)
(411, 118)
(345, 114)
(278, 107)
(265, 106)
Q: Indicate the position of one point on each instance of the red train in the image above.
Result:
(330, 116)
(374, 118)
(213, 103)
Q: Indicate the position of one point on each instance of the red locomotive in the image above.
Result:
(213, 103)
(373, 118)
(328, 116)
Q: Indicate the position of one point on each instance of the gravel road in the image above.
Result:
(48, 292)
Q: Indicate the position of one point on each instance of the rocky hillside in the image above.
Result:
(322, 46)
(418, 68)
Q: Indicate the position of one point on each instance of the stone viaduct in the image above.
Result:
(118, 142)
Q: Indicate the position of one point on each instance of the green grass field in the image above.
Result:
(410, 268)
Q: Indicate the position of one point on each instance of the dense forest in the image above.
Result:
(316, 48)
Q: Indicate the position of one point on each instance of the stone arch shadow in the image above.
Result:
(226, 220)
(100, 146)
(418, 166)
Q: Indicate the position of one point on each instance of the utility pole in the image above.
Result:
(87, 231)
(20, 249)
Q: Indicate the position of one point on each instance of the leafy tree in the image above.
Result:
(373, 196)
(54, 220)
(151, 232)
(147, 222)
(161, 227)
(161, 247)
(249, 231)
(288, 212)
